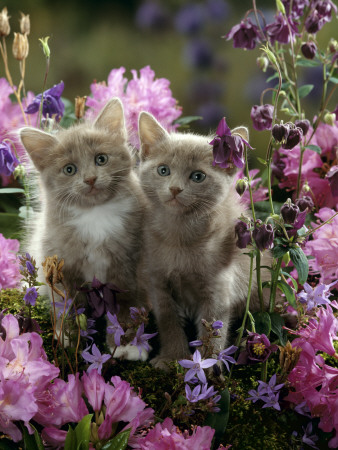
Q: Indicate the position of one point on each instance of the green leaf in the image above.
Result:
(307, 63)
(261, 160)
(71, 441)
(12, 191)
(333, 80)
(119, 442)
(273, 77)
(300, 262)
(314, 148)
(294, 282)
(219, 421)
(278, 251)
(9, 224)
(82, 432)
(305, 90)
(288, 292)
(184, 121)
(277, 323)
(262, 322)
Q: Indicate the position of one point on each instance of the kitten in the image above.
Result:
(91, 203)
(194, 267)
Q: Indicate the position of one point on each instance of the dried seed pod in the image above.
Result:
(80, 103)
(25, 24)
(20, 46)
(5, 28)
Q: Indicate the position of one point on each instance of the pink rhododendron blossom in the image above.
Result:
(53, 436)
(166, 436)
(94, 388)
(312, 380)
(9, 263)
(324, 247)
(143, 93)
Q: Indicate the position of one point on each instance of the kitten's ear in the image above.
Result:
(38, 145)
(243, 132)
(150, 132)
(111, 118)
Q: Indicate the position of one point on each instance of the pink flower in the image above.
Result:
(324, 247)
(142, 93)
(53, 436)
(94, 387)
(9, 263)
(166, 436)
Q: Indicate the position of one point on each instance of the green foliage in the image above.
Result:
(78, 438)
(119, 442)
(262, 322)
(301, 263)
(31, 441)
(219, 420)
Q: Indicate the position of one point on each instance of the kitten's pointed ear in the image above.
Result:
(150, 132)
(39, 146)
(111, 118)
(243, 132)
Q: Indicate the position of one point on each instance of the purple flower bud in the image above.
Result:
(217, 325)
(31, 296)
(294, 138)
(304, 203)
(332, 176)
(262, 117)
(241, 186)
(289, 212)
(243, 233)
(30, 268)
(7, 160)
(245, 35)
(304, 124)
(280, 132)
(263, 235)
(197, 343)
(309, 49)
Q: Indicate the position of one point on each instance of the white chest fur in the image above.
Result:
(96, 224)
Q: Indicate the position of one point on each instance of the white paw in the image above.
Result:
(130, 352)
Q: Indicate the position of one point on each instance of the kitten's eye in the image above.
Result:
(163, 170)
(101, 160)
(197, 176)
(70, 169)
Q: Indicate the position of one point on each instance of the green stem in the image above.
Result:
(268, 165)
(264, 371)
(275, 276)
(299, 178)
(259, 280)
(241, 330)
(43, 89)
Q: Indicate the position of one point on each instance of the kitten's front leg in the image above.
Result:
(174, 343)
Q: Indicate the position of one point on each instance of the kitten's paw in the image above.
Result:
(161, 362)
(131, 353)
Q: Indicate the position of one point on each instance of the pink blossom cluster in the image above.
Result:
(314, 166)
(324, 247)
(9, 263)
(141, 93)
(13, 118)
(312, 380)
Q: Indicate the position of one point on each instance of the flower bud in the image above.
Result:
(304, 124)
(25, 24)
(80, 103)
(243, 233)
(82, 320)
(289, 212)
(4, 23)
(309, 49)
(294, 138)
(263, 235)
(19, 171)
(262, 63)
(304, 203)
(286, 258)
(217, 324)
(330, 119)
(20, 46)
(241, 186)
(333, 46)
(45, 46)
(280, 132)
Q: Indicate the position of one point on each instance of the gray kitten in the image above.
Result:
(91, 203)
(194, 267)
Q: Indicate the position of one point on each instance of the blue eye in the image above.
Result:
(163, 170)
(101, 160)
(70, 169)
(197, 176)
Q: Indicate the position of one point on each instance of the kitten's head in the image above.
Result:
(177, 172)
(86, 164)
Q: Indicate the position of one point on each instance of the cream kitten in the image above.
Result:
(91, 203)
(194, 268)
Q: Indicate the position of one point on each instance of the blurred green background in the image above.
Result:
(208, 76)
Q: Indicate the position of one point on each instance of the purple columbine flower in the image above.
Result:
(261, 116)
(245, 35)
(196, 367)
(115, 328)
(304, 203)
(304, 125)
(141, 339)
(332, 177)
(280, 132)
(8, 161)
(309, 49)
(258, 349)
(95, 358)
(225, 358)
(30, 296)
(320, 15)
(243, 233)
(313, 297)
(297, 7)
(279, 30)
(52, 103)
(263, 235)
(228, 149)
(289, 212)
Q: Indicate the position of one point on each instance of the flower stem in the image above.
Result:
(275, 275)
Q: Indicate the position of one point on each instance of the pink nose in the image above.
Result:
(90, 181)
(175, 191)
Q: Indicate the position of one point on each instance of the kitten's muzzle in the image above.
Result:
(175, 191)
(90, 181)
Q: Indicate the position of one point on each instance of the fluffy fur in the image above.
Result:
(193, 266)
(91, 203)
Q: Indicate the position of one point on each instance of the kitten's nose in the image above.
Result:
(175, 191)
(90, 181)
